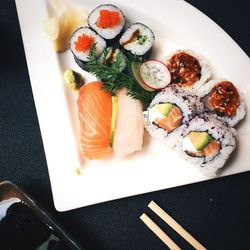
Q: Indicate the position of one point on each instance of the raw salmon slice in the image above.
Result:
(212, 148)
(171, 122)
(95, 112)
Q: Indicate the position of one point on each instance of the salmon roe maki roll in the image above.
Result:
(82, 41)
(108, 21)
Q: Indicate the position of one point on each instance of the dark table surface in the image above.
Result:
(217, 212)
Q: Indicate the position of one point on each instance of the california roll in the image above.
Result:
(207, 142)
(168, 112)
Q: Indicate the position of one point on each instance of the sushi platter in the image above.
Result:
(133, 100)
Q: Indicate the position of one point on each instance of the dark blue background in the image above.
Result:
(216, 211)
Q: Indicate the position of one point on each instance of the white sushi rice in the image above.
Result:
(100, 43)
(205, 70)
(241, 110)
(134, 46)
(107, 33)
(220, 131)
(189, 105)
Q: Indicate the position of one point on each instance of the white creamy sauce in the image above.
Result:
(154, 74)
(153, 114)
(5, 204)
(188, 145)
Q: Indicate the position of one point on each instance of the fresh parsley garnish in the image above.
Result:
(114, 79)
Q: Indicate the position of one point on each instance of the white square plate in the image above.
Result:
(177, 25)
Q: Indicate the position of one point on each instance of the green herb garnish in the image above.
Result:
(114, 80)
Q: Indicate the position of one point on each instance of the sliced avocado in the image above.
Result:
(113, 119)
(135, 67)
(164, 108)
(199, 139)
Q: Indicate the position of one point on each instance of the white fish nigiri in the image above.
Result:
(129, 125)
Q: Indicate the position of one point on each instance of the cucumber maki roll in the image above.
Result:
(222, 97)
(81, 42)
(169, 111)
(207, 142)
(138, 39)
(108, 21)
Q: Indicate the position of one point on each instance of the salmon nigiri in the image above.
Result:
(95, 113)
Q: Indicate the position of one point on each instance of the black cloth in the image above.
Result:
(216, 212)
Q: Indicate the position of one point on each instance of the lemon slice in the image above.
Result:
(113, 119)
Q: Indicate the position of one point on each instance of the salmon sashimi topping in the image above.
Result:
(95, 112)
(212, 149)
(171, 122)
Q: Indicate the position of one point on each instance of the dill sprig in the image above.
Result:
(114, 79)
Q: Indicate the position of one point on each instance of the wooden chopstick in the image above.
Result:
(158, 231)
(176, 226)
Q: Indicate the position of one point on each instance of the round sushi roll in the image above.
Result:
(111, 55)
(207, 142)
(168, 112)
(108, 21)
(223, 98)
(81, 42)
(138, 39)
(188, 70)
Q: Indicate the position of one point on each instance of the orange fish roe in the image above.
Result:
(84, 43)
(108, 19)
